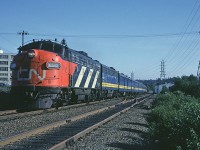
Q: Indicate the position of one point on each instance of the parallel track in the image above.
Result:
(13, 114)
(70, 129)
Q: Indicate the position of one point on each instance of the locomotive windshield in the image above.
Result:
(43, 45)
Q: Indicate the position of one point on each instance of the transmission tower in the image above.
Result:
(198, 72)
(162, 71)
(23, 33)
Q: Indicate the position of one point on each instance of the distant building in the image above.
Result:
(5, 72)
(158, 88)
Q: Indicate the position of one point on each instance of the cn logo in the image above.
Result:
(26, 74)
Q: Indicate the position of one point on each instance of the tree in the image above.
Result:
(188, 85)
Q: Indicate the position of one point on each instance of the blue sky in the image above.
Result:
(108, 22)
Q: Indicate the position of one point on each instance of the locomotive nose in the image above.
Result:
(31, 53)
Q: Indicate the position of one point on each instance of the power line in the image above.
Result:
(7, 33)
(8, 40)
(189, 53)
(117, 36)
(186, 26)
(105, 36)
(185, 48)
(184, 43)
(186, 61)
(4, 49)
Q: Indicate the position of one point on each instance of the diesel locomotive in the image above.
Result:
(46, 73)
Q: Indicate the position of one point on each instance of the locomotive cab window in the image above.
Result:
(46, 46)
(58, 49)
(52, 47)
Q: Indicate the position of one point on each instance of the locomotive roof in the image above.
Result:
(37, 44)
(110, 68)
(53, 46)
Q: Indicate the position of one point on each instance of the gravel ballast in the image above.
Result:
(128, 131)
(19, 125)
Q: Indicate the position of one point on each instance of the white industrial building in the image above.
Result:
(158, 88)
(5, 72)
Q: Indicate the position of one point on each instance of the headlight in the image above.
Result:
(31, 54)
(13, 66)
(53, 65)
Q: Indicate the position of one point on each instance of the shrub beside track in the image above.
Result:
(174, 121)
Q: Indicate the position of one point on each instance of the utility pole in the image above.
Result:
(23, 33)
(162, 71)
(132, 78)
(198, 72)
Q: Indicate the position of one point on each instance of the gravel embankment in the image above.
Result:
(128, 131)
(12, 127)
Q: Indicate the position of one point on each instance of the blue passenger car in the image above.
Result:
(135, 86)
(125, 85)
(109, 81)
(129, 87)
(141, 88)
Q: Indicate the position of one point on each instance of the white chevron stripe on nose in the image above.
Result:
(95, 79)
(80, 77)
(88, 78)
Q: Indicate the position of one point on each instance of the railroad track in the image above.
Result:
(13, 114)
(22, 124)
(62, 133)
(7, 112)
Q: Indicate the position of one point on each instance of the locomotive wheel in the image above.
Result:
(87, 98)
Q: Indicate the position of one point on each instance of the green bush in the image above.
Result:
(175, 121)
(187, 84)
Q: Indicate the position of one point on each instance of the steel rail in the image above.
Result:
(36, 132)
(73, 139)
(14, 114)
(50, 126)
(7, 112)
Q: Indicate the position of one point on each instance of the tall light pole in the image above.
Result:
(23, 33)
